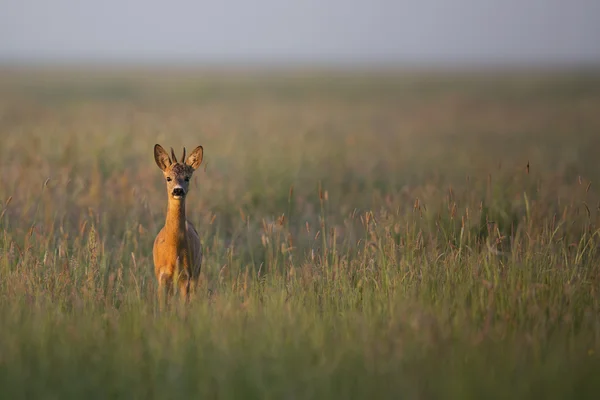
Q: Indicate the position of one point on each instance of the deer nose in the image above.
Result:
(178, 191)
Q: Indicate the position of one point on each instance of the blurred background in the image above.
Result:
(430, 33)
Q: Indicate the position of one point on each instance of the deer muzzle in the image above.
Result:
(178, 192)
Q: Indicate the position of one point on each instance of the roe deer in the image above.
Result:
(177, 251)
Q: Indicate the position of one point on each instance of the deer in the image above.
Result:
(177, 251)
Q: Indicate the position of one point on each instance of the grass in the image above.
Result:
(396, 236)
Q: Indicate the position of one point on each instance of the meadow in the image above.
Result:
(393, 235)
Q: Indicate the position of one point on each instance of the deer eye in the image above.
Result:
(169, 179)
(187, 178)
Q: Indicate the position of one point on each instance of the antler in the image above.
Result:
(173, 156)
(183, 156)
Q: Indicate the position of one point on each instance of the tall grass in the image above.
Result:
(406, 237)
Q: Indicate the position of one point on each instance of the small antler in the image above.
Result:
(183, 156)
(173, 156)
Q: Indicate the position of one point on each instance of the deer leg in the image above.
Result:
(184, 288)
(194, 285)
(165, 289)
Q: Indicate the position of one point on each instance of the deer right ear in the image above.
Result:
(161, 157)
(195, 158)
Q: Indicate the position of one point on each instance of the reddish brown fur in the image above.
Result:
(177, 250)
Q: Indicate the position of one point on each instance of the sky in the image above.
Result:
(309, 31)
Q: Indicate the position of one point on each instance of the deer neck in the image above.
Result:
(175, 222)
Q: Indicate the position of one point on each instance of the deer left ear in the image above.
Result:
(161, 157)
(195, 158)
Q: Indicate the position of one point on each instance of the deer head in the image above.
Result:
(177, 174)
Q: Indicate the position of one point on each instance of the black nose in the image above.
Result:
(178, 192)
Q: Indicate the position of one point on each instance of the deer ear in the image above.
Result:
(161, 157)
(195, 158)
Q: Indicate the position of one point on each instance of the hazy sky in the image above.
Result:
(303, 30)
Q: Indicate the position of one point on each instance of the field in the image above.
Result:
(392, 235)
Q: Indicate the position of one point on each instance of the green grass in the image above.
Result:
(418, 257)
